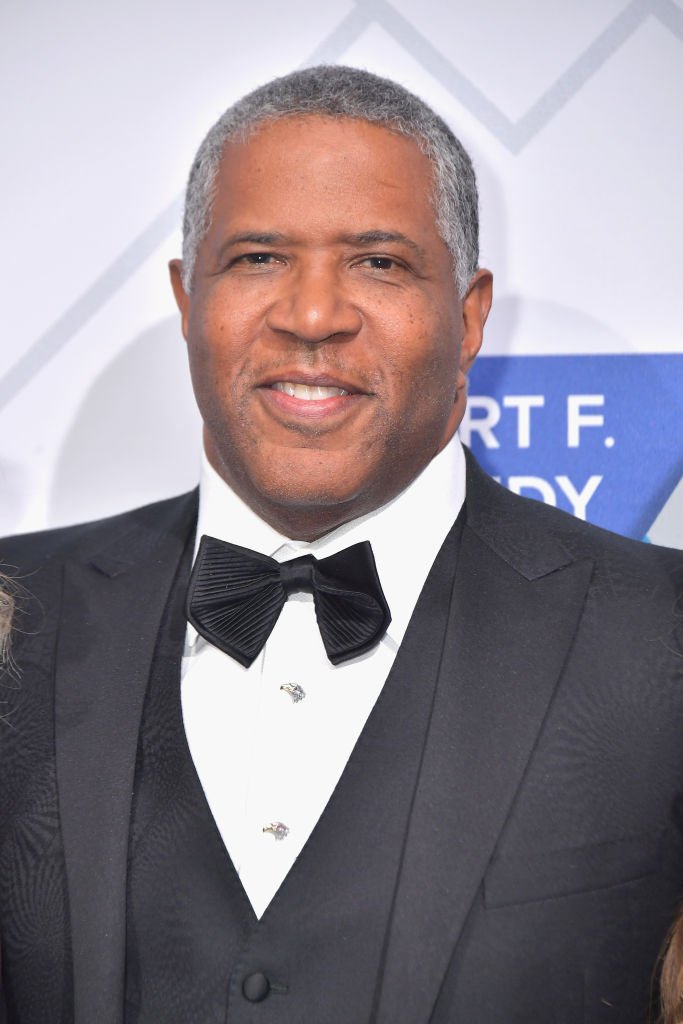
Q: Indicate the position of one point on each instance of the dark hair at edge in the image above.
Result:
(671, 976)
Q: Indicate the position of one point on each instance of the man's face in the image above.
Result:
(326, 338)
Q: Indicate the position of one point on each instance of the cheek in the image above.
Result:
(224, 323)
(423, 362)
(218, 346)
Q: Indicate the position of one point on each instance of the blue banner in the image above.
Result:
(599, 436)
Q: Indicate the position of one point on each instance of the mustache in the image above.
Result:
(315, 369)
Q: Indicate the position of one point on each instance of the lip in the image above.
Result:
(321, 380)
(289, 410)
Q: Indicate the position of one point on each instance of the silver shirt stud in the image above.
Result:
(277, 829)
(295, 691)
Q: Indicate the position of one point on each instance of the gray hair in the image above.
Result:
(338, 91)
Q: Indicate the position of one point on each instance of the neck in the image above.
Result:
(305, 522)
(302, 520)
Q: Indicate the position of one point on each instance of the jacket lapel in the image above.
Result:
(517, 600)
(113, 602)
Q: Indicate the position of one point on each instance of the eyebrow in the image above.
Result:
(255, 238)
(380, 237)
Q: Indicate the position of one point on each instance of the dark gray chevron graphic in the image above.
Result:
(514, 135)
(343, 36)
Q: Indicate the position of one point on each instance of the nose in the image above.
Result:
(313, 307)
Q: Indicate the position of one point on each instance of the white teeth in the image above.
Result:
(309, 394)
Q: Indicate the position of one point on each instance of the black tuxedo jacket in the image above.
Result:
(542, 862)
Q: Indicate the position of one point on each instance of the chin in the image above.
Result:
(292, 493)
(308, 476)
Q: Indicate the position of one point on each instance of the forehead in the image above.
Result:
(324, 168)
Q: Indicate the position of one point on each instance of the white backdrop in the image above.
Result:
(573, 114)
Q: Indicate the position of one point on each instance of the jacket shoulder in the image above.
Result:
(538, 537)
(26, 552)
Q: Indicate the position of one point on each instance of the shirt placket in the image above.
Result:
(279, 802)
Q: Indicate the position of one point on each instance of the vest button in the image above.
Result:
(255, 987)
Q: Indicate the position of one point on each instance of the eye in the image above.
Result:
(380, 263)
(256, 259)
(252, 261)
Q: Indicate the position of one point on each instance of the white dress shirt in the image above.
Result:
(268, 756)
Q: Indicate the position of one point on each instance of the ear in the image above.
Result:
(175, 269)
(475, 309)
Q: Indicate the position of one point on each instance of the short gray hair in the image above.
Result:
(338, 91)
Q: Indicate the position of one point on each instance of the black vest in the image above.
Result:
(195, 950)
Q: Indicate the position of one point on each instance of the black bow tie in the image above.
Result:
(236, 596)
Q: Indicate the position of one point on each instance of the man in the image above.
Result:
(446, 793)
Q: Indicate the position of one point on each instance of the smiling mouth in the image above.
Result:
(307, 392)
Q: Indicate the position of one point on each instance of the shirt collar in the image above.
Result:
(405, 534)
